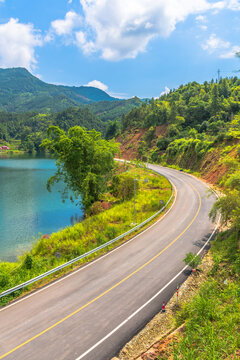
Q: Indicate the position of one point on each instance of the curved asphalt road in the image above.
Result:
(75, 318)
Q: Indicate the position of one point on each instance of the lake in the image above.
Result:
(27, 209)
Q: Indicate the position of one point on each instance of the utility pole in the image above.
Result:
(218, 72)
(134, 213)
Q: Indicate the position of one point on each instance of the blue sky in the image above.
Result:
(126, 47)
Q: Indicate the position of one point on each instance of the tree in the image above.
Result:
(215, 105)
(84, 161)
(229, 208)
(112, 129)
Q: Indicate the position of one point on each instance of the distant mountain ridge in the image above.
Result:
(20, 91)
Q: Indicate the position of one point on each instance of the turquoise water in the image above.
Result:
(27, 209)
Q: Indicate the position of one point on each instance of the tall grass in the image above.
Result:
(212, 319)
(88, 234)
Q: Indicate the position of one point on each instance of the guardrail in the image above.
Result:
(60, 267)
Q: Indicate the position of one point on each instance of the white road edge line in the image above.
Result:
(148, 302)
(96, 260)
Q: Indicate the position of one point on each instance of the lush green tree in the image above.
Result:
(229, 208)
(112, 128)
(215, 105)
(84, 161)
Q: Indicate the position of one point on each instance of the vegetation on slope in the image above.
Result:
(195, 119)
(212, 322)
(114, 110)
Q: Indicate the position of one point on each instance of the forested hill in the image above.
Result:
(192, 105)
(106, 110)
(196, 126)
(20, 91)
(29, 129)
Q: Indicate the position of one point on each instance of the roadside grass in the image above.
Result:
(212, 319)
(84, 236)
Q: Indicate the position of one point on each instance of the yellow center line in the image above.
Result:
(110, 289)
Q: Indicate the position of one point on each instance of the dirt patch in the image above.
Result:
(212, 168)
(158, 334)
(216, 174)
(129, 143)
(163, 348)
(161, 130)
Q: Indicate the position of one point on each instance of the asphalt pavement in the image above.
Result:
(91, 313)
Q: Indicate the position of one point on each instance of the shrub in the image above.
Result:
(192, 260)
(149, 136)
(123, 186)
(4, 280)
(162, 143)
(28, 262)
(110, 232)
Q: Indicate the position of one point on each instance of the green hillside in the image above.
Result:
(31, 128)
(20, 91)
(106, 110)
(186, 125)
(28, 106)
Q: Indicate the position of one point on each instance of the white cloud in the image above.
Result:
(232, 5)
(124, 28)
(97, 84)
(166, 91)
(223, 48)
(119, 95)
(64, 27)
(201, 19)
(121, 29)
(69, 1)
(87, 46)
(48, 37)
(39, 76)
(231, 53)
(214, 43)
(17, 44)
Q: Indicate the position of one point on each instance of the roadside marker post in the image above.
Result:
(177, 294)
(163, 307)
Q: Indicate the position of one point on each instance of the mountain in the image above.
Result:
(20, 91)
